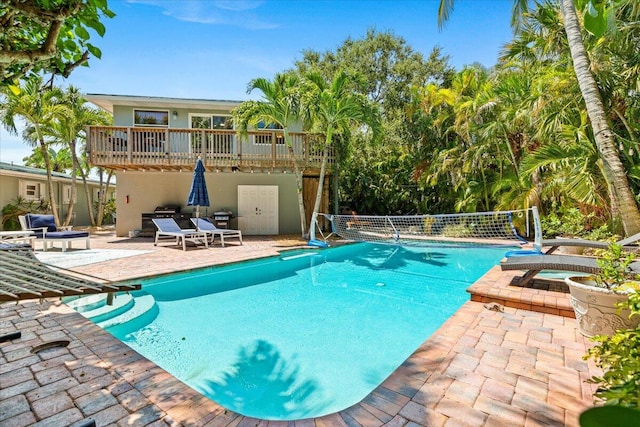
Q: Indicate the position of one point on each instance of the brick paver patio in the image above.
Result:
(488, 365)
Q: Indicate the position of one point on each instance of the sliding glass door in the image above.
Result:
(214, 144)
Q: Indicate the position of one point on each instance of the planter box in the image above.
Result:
(596, 308)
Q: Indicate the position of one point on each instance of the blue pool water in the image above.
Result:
(305, 334)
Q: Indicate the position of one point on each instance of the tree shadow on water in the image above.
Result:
(263, 384)
(392, 257)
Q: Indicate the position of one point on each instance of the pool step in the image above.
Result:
(121, 304)
(83, 304)
(141, 305)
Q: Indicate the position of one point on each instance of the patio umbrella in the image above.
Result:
(198, 195)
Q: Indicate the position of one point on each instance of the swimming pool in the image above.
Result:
(304, 334)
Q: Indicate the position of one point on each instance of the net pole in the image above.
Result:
(312, 233)
(537, 227)
(396, 234)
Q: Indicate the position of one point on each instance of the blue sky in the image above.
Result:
(211, 49)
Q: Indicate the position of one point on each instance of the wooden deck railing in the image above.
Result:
(152, 148)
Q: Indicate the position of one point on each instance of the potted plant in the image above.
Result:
(619, 385)
(596, 299)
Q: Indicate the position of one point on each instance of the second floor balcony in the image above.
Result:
(153, 148)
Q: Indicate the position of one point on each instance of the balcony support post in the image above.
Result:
(203, 136)
(129, 146)
(167, 147)
(273, 148)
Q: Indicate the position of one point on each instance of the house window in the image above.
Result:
(97, 192)
(66, 193)
(31, 190)
(266, 138)
(216, 143)
(150, 118)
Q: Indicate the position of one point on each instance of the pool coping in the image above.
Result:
(486, 364)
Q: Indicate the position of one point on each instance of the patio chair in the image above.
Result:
(44, 229)
(534, 264)
(203, 224)
(630, 243)
(168, 227)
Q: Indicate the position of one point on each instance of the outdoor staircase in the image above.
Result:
(125, 309)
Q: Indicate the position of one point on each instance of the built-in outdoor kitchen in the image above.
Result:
(220, 219)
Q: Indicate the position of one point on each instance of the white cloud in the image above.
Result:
(238, 4)
(239, 13)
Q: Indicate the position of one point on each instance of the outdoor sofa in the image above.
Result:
(45, 230)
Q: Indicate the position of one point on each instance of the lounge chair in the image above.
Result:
(44, 229)
(168, 227)
(534, 264)
(630, 243)
(204, 225)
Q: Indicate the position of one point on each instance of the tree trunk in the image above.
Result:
(104, 191)
(316, 205)
(87, 193)
(73, 196)
(52, 197)
(298, 173)
(336, 181)
(620, 193)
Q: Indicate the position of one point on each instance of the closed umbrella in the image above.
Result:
(198, 195)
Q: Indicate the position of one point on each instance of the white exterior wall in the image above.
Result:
(147, 190)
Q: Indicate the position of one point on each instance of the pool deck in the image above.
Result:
(510, 356)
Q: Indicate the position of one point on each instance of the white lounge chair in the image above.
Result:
(168, 227)
(630, 243)
(203, 224)
(534, 264)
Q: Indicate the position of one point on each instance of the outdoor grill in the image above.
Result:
(167, 211)
(221, 219)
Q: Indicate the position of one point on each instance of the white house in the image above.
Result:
(155, 142)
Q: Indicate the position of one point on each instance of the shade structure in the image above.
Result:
(198, 195)
(23, 276)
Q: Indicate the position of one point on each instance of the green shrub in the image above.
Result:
(20, 206)
(457, 230)
(615, 273)
(619, 358)
(569, 223)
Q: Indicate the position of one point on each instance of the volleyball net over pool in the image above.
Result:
(505, 228)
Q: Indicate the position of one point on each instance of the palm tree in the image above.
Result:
(67, 130)
(475, 152)
(60, 160)
(280, 106)
(334, 110)
(37, 107)
(621, 197)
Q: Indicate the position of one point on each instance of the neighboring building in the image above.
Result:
(155, 142)
(31, 184)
